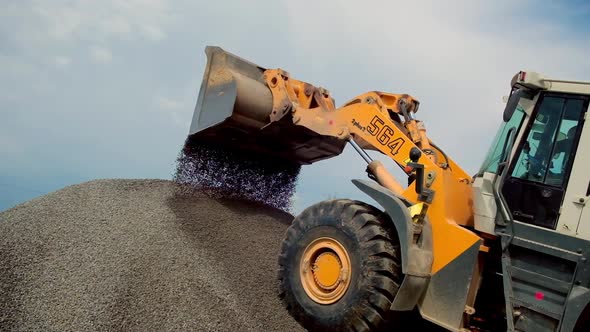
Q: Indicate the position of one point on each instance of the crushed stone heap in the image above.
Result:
(140, 255)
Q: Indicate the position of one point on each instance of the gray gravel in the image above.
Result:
(138, 255)
(225, 171)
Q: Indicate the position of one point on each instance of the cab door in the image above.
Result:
(539, 177)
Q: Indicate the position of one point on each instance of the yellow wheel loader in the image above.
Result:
(506, 249)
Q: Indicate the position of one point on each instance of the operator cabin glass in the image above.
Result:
(494, 154)
(548, 148)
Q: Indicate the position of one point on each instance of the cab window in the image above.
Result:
(548, 147)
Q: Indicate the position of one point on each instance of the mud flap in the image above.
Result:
(445, 298)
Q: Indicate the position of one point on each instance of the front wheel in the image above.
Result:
(339, 267)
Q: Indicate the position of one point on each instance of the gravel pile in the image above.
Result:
(140, 255)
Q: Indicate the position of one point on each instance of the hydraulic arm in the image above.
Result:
(386, 123)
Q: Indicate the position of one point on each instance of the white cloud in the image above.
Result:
(62, 61)
(179, 119)
(59, 22)
(176, 110)
(153, 32)
(101, 54)
(117, 26)
(12, 67)
(167, 103)
(96, 20)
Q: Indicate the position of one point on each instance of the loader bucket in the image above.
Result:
(233, 111)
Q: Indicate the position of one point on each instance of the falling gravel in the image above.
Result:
(220, 171)
(140, 255)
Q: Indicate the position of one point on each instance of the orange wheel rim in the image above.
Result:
(325, 270)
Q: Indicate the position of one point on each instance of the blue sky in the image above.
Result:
(106, 89)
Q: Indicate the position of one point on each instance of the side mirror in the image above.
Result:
(512, 104)
(513, 100)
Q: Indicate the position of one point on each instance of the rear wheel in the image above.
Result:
(339, 267)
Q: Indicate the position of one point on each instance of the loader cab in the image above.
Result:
(536, 149)
(531, 194)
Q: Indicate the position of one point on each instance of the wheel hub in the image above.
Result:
(325, 270)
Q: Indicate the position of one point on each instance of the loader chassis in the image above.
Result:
(542, 255)
(506, 249)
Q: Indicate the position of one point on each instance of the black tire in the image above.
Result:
(373, 246)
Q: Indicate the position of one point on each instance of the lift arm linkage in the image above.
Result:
(385, 122)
